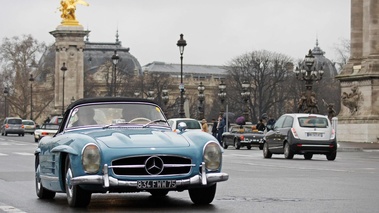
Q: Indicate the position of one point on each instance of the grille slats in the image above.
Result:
(136, 165)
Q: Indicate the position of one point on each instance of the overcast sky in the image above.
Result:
(216, 31)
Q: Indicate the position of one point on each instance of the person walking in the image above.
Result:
(204, 126)
(260, 126)
(220, 128)
(214, 128)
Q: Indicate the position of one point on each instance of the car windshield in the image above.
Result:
(319, 122)
(14, 121)
(114, 114)
(28, 122)
(191, 124)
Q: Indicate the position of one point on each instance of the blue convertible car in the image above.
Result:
(125, 145)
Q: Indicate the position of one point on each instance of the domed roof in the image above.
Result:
(330, 70)
(95, 54)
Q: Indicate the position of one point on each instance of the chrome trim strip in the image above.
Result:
(49, 178)
(314, 145)
(104, 179)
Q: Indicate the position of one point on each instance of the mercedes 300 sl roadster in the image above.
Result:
(125, 145)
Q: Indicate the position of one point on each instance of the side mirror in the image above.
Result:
(182, 126)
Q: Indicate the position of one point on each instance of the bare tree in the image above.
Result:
(17, 54)
(343, 52)
(267, 74)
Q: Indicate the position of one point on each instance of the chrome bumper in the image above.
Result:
(106, 181)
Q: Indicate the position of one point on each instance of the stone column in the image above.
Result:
(359, 115)
(69, 44)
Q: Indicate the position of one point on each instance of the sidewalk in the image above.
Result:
(356, 146)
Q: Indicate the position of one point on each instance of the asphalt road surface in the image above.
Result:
(348, 184)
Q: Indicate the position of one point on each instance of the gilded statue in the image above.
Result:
(67, 10)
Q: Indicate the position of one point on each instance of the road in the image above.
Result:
(348, 184)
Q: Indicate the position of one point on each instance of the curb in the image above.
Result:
(349, 149)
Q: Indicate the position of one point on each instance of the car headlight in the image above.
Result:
(212, 156)
(91, 158)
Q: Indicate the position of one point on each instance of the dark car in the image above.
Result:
(303, 134)
(12, 125)
(241, 136)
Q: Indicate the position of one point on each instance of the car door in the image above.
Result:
(228, 136)
(284, 130)
(273, 136)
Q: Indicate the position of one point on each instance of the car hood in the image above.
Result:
(139, 138)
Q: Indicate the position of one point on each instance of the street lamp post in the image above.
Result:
(6, 93)
(115, 59)
(181, 44)
(201, 99)
(31, 79)
(245, 95)
(165, 99)
(136, 93)
(63, 69)
(222, 95)
(309, 73)
(150, 94)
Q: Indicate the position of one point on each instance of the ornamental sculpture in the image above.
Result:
(352, 100)
(67, 10)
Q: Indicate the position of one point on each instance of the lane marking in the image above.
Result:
(11, 209)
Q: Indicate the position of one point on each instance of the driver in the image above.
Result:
(85, 117)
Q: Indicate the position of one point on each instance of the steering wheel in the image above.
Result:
(139, 119)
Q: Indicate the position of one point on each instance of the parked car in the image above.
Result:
(304, 134)
(29, 126)
(12, 125)
(242, 136)
(115, 144)
(192, 124)
(46, 129)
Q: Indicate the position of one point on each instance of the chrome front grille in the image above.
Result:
(152, 165)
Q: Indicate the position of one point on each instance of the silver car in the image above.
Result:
(303, 134)
(12, 125)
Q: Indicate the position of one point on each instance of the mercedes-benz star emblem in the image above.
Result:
(154, 165)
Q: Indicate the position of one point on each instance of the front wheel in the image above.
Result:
(76, 196)
(288, 153)
(224, 144)
(202, 196)
(41, 192)
(266, 151)
(237, 144)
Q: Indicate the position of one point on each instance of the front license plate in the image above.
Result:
(156, 184)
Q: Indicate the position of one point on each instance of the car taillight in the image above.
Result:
(242, 137)
(333, 135)
(6, 126)
(22, 126)
(294, 133)
(44, 133)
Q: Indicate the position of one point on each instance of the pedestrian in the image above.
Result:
(204, 125)
(214, 128)
(260, 126)
(220, 128)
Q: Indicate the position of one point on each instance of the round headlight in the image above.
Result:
(212, 156)
(91, 158)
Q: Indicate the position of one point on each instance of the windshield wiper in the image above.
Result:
(115, 124)
(154, 121)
